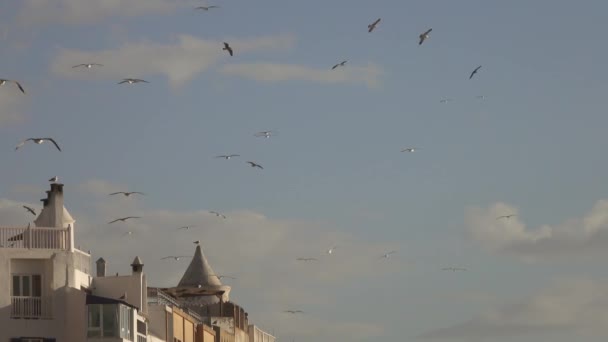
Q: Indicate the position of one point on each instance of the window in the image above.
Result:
(27, 285)
(110, 320)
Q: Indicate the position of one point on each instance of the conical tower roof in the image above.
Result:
(199, 272)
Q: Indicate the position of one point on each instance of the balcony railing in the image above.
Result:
(35, 238)
(31, 307)
(141, 338)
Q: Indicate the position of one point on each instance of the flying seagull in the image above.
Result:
(338, 65)
(410, 149)
(54, 179)
(38, 141)
(227, 156)
(123, 219)
(331, 250)
(445, 100)
(372, 26)
(3, 82)
(474, 72)
(217, 214)
(265, 134)
(222, 276)
(255, 165)
(505, 216)
(87, 65)
(30, 210)
(424, 36)
(175, 257)
(387, 255)
(206, 8)
(185, 227)
(132, 80)
(228, 48)
(127, 233)
(293, 311)
(453, 269)
(127, 193)
(306, 259)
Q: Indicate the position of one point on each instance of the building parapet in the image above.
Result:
(35, 238)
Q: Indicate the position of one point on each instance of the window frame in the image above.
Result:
(32, 288)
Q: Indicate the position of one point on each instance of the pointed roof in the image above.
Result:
(137, 262)
(199, 272)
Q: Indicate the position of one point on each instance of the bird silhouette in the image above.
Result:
(206, 8)
(38, 141)
(255, 165)
(372, 26)
(505, 216)
(127, 193)
(228, 48)
(30, 210)
(338, 65)
(132, 81)
(123, 219)
(474, 72)
(87, 65)
(424, 36)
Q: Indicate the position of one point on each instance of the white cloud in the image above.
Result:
(269, 72)
(11, 102)
(576, 237)
(179, 61)
(88, 11)
(574, 306)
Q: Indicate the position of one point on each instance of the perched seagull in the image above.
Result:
(206, 8)
(293, 312)
(88, 65)
(453, 269)
(127, 193)
(222, 276)
(410, 149)
(338, 65)
(123, 297)
(228, 48)
(228, 156)
(217, 214)
(331, 250)
(387, 255)
(197, 242)
(372, 26)
(30, 210)
(132, 80)
(474, 72)
(124, 219)
(255, 165)
(306, 259)
(505, 216)
(54, 179)
(265, 134)
(176, 258)
(38, 141)
(3, 82)
(424, 36)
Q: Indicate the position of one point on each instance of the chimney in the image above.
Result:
(54, 204)
(137, 265)
(101, 267)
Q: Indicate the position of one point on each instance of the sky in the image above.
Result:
(334, 173)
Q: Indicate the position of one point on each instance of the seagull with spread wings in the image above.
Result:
(218, 214)
(331, 250)
(372, 26)
(424, 36)
(228, 48)
(387, 255)
(293, 312)
(127, 193)
(4, 81)
(87, 65)
(38, 141)
(307, 259)
(228, 156)
(474, 72)
(175, 257)
(341, 64)
(255, 165)
(185, 227)
(220, 277)
(505, 216)
(206, 8)
(132, 81)
(123, 219)
(453, 269)
(410, 149)
(29, 210)
(265, 134)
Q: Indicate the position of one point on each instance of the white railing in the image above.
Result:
(141, 338)
(35, 238)
(31, 307)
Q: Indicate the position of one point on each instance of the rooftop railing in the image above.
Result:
(35, 238)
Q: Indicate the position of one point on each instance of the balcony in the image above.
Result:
(31, 307)
(35, 238)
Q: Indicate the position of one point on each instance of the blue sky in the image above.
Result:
(535, 144)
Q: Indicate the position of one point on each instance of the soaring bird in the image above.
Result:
(206, 8)
(424, 36)
(123, 219)
(228, 156)
(306, 259)
(38, 141)
(3, 82)
(453, 269)
(505, 216)
(87, 65)
(217, 214)
(132, 80)
(30, 210)
(255, 165)
(387, 255)
(293, 311)
(175, 257)
(127, 193)
(338, 65)
(54, 179)
(410, 149)
(474, 72)
(185, 227)
(265, 134)
(331, 250)
(445, 100)
(222, 276)
(372, 26)
(228, 48)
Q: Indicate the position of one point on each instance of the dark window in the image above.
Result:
(141, 327)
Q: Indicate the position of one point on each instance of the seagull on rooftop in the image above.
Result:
(127, 193)
(255, 165)
(410, 149)
(4, 81)
(124, 219)
(424, 36)
(175, 257)
(218, 214)
(505, 216)
(228, 156)
(38, 141)
(87, 65)
(30, 210)
(206, 8)
(132, 81)
(387, 255)
(54, 179)
(306, 259)
(372, 26)
(474, 72)
(123, 297)
(197, 242)
(341, 64)
(228, 48)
